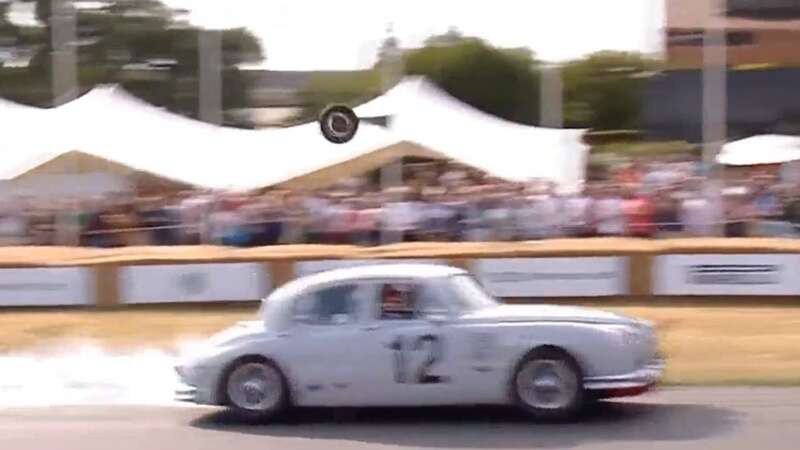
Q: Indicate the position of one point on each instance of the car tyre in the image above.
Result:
(547, 385)
(255, 390)
(338, 124)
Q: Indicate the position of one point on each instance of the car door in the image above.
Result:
(321, 351)
(405, 352)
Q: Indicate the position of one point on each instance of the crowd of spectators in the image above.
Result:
(455, 204)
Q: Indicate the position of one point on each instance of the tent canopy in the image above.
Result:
(111, 124)
(423, 113)
(758, 150)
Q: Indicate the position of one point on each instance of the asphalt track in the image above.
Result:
(686, 418)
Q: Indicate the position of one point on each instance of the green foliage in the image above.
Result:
(641, 148)
(119, 41)
(325, 88)
(504, 83)
(604, 90)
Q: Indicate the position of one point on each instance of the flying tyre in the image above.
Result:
(338, 124)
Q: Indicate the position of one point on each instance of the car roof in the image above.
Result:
(390, 270)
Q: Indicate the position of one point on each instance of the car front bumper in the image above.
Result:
(628, 384)
(193, 392)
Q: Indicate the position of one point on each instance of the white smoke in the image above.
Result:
(86, 374)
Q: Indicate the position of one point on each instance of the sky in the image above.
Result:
(345, 34)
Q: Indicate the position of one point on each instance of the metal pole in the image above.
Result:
(64, 85)
(391, 174)
(210, 92)
(551, 98)
(64, 60)
(210, 77)
(714, 102)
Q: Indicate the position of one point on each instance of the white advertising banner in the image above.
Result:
(305, 268)
(732, 274)
(553, 277)
(177, 283)
(50, 286)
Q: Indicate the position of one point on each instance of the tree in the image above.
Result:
(325, 88)
(604, 90)
(501, 82)
(142, 44)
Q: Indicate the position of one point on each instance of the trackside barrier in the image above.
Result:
(580, 268)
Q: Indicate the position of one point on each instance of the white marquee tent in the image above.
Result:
(423, 113)
(758, 150)
(111, 124)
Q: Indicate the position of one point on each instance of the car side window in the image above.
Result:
(334, 305)
(405, 301)
(429, 303)
(397, 301)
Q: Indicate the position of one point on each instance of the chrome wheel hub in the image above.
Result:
(547, 384)
(255, 387)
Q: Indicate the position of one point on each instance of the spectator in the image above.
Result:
(695, 214)
(666, 212)
(402, 216)
(548, 212)
(577, 210)
(638, 210)
(739, 212)
(608, 213)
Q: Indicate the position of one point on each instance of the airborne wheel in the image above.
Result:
(338, 124)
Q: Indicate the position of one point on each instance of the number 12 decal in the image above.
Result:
(401, 346)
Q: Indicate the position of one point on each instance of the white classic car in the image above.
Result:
(416, 335)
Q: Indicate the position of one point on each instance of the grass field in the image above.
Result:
(717, 344)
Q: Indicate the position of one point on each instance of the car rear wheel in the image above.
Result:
(548, 385)
(255, 390)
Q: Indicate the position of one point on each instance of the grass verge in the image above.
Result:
(705, 345)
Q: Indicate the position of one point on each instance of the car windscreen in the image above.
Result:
(470, 295)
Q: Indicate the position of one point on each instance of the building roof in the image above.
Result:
(693, 14)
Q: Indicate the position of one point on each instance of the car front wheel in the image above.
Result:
(548, 385)
(255, 389)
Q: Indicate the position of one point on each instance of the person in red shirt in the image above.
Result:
(638, 210)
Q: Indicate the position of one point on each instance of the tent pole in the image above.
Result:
(714, 105)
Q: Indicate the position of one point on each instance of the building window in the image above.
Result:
(695, 38)
(737, 38)
(685, 38)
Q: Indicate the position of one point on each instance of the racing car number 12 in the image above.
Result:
(402, 346)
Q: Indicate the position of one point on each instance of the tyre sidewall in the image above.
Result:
(251, 416)
(572, 410)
